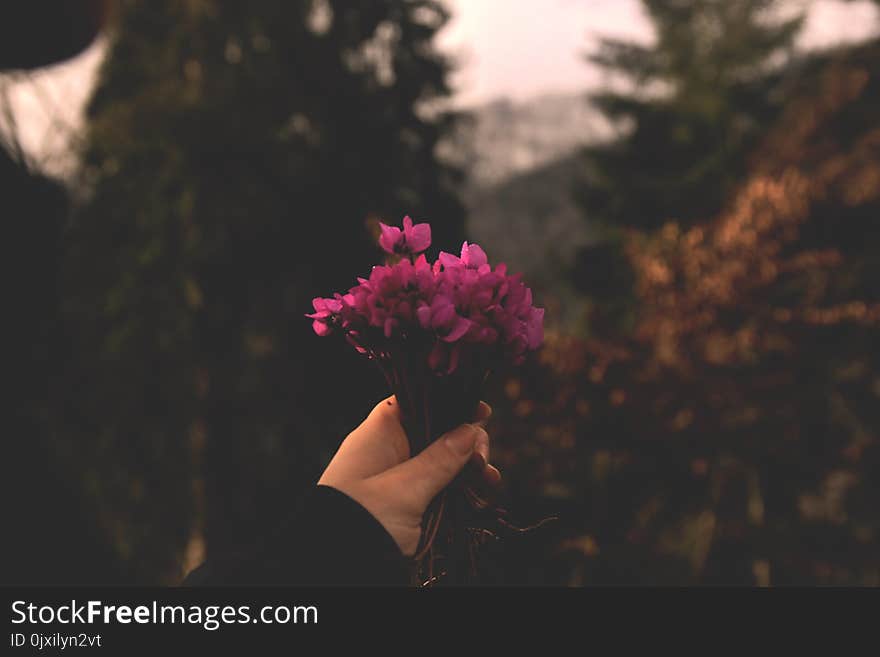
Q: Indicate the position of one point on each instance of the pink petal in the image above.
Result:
(423, 312)
(473, 256)
(422, 263)
(449, 261)
(389, 238)
(442, 312)
(419, 238)
(461, 327)
(321, 328)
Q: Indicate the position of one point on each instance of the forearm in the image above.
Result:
(330, 540)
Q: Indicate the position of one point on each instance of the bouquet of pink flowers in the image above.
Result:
(437, 330)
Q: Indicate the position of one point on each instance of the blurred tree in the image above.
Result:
(43, 500)
(237, 157)
(690, 107)
(732, 437)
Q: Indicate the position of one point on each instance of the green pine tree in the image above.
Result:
(237, 157)
(694, 103)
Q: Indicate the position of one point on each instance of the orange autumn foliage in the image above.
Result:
(731, 437)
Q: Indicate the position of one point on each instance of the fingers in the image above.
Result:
(480, 463)
(377, 444)
(382, 426)
(428, 473)
(484, 412)
(480, 459)
(481, 450)
(385, 412)
(492, 475)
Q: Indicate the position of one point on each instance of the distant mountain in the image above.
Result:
(530, 219)
(523, 162)
(505, 138)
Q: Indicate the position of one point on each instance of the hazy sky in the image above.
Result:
(521, 48)
(517, 48)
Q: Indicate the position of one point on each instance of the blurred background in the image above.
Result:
(691, 187)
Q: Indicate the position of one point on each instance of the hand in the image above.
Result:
(373, 467)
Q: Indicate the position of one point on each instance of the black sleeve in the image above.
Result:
(329, 540)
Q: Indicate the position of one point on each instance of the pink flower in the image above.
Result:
(325, 315)
(440, 317)
(472, 256)
(456, 313)
(413, 239)
(389, 297)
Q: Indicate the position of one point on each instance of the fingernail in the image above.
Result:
(484, 408)
(463, 439)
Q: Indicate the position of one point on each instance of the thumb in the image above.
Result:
(428, 473)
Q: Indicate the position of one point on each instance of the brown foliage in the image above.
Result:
(731, 437)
